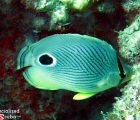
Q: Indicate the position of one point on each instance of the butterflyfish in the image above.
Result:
(79, 63)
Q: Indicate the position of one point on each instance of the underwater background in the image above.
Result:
(23, 22)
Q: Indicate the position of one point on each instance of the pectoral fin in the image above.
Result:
(81, 96)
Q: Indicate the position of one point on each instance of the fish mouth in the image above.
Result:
(24, 59)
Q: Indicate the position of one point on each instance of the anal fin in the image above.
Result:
(82, 96)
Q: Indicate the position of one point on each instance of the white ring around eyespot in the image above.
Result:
(51, 65)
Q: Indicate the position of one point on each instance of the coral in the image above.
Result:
(127, 107)
(58, 10)
(129, 42)
(76, 4)
(130, 5)
(44, 5)
(58, 16)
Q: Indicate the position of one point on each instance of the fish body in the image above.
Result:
(79, 63)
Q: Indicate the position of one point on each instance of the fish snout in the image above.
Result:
(24, 58)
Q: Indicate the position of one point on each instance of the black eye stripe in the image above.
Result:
(121, 69)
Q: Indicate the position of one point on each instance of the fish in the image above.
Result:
(80, 63)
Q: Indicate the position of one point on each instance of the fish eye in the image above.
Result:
(47, 60)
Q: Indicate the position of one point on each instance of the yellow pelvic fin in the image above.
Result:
(81, 96)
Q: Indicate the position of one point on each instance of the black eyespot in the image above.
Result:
(45, 59)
